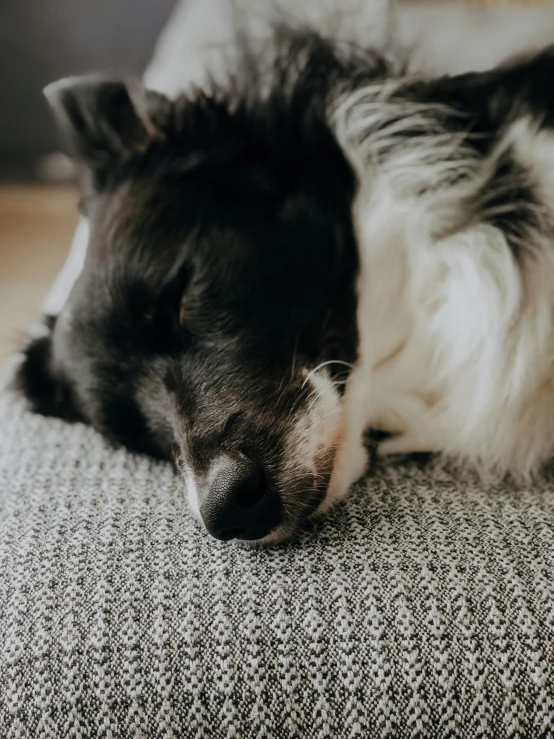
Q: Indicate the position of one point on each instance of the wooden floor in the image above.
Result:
(36, 228)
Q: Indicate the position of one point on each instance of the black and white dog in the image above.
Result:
(299, 255)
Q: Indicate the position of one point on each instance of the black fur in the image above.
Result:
(222, 258)
(485, 105)
(49, 393)
(222, 261)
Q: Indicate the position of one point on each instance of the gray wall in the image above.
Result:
(43, 40)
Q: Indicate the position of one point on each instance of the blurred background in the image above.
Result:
(41, 41)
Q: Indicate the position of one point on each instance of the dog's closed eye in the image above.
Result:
(183, 312)
(175, 303)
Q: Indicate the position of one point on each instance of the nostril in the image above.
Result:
(228, 534)
(251, 489)
(249, 498)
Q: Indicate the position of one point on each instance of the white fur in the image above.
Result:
(317, 430)
(456, 335)
(192, 492)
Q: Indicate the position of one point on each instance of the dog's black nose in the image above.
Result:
(237, 502)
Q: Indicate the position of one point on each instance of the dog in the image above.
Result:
(319, 246)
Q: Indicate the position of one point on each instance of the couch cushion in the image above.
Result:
(424, 606)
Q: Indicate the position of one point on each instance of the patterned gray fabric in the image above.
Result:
(424, 607)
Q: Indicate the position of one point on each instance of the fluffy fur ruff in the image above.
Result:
(454, 221)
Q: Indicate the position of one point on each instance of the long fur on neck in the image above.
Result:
(456, 295)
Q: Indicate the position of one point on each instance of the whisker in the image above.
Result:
(294, 357)
(325, 364)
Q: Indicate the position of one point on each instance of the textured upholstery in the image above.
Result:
(424, 606)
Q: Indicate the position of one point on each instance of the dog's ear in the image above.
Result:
(102, 120)
(520, 87)
(47, 392)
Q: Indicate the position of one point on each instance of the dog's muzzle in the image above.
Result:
(237, 502)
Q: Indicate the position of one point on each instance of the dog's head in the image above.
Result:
(214, 321)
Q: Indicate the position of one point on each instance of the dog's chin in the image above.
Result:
(279, 535)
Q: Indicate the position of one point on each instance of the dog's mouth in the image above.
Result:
(303, 499)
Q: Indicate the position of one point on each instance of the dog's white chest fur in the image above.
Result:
(456, 339)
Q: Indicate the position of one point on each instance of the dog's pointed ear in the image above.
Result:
(103, 120)
(36, 378)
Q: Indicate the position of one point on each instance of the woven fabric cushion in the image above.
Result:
(424, 606)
